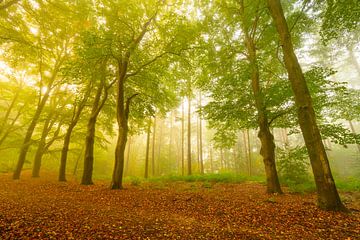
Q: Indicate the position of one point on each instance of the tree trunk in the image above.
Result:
(153, 149)
(170, 143)
(328, 197)
(158, 172)
(89, 152)
(267, 150)
(119, 156)
(189, 138)
(201, 140)
(128, 156)
(148, 132)
(182, 140)
(64, 152)
(41, 147)
(27, 140)
(211, 160)
(98, 104)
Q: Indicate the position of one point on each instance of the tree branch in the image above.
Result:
(8, 4)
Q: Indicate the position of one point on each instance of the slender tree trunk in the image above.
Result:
(153, 149)
(189, 137)
(170, 142)
(128, 156)
(328, 197)
(27, 140)
(182, 140)
(99, 101)
(211, 160)
(249, 151)
(123, 108)
(74, 120)
(159, 148)
(77, 160)
(222, 165)
(64, 152)
(89, 152)
(267, 150)
(148, 132)
(201, 140)
(354, 132)
(41, 147)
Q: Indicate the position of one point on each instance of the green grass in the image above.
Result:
(350, 184)
(221, 178)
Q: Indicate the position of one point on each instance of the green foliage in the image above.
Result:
(338, 134)
(293, 165)
(339, 18)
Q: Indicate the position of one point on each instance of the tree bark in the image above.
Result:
(148, 132)
(328, 197)
(267, 150)
(64, 152)
(182, 139)
(201, 140)
(30, 130)
(123, 107)
(27, 140)
(153, 148)
(189, 137)
(74, 120)
(40, 149)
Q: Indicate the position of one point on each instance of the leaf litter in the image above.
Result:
(46, 209)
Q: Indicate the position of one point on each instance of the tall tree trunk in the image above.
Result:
(128, 157)
(328, 197)
(267, 149)
(27, 140)
(64, 152)
(41, 147)
(201, 140)
(189, 137)
(211, 160)
(153, 149)
(89, 152)
(148, 132)
(170, 142)
(182, 139)
(74, 120)
(77, 160)
(123, 107)
(158, 172)
(249, 151)
(30, 130)
(222, 161)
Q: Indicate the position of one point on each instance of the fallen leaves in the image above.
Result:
(46, 209)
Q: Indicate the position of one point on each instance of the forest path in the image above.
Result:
(46, 209)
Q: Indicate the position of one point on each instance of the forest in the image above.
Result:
(167, 119)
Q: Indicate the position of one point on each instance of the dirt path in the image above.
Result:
(46, 209)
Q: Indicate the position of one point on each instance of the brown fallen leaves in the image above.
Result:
(47, 209)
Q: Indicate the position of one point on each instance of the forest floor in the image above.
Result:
(46, 209)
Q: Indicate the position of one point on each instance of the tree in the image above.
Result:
(328, 197)
(77, 108)
(101, 96)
